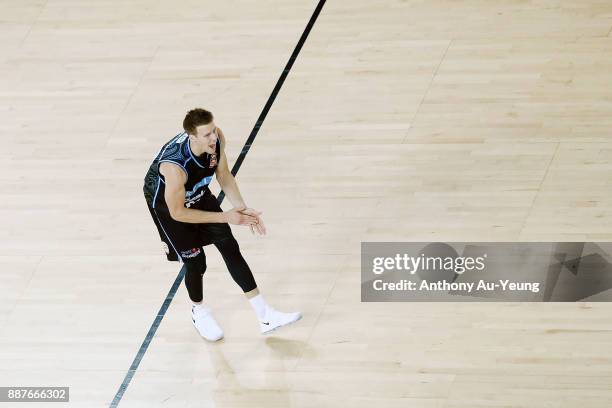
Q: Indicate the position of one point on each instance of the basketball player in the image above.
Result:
(188, 217)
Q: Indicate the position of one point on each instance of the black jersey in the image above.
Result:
(199, 171)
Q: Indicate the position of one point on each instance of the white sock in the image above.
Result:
(259, 305)
(195, 306)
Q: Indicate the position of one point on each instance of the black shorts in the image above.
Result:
(185, 240)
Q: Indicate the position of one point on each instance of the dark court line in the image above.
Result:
(277, 87)
(147, 340)
(245, 149)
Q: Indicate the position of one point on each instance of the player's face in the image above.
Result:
(206, 136)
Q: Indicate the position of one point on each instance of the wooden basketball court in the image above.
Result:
(399, 121)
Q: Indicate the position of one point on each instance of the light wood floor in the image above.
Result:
(401, 120)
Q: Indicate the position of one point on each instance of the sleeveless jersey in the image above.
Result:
(199, 171)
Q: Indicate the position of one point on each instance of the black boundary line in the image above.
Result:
(279, 84)
(245, 149)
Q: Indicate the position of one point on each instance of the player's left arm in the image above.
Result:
(230, 187)
(226, 178)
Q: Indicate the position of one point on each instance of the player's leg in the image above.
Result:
(221, 235)
(237, 266)
(195, 266)
(194, 272)
(184, 240)
(269, 318)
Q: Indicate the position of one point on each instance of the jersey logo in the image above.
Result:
(192, 200)
(190, 253)
(213, 161)
(204, 182)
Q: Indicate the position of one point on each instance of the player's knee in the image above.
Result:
(228, 246)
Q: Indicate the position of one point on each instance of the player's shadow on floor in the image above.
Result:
(230, 392)
(290, 348)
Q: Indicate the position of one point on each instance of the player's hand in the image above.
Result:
(259, 227)
(237, 217)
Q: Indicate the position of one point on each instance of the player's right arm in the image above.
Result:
(174, 194)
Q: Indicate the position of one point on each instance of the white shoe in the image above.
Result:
(274, 319)
(206, 324)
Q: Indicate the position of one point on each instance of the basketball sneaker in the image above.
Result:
(273, 319)
(205, 323)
